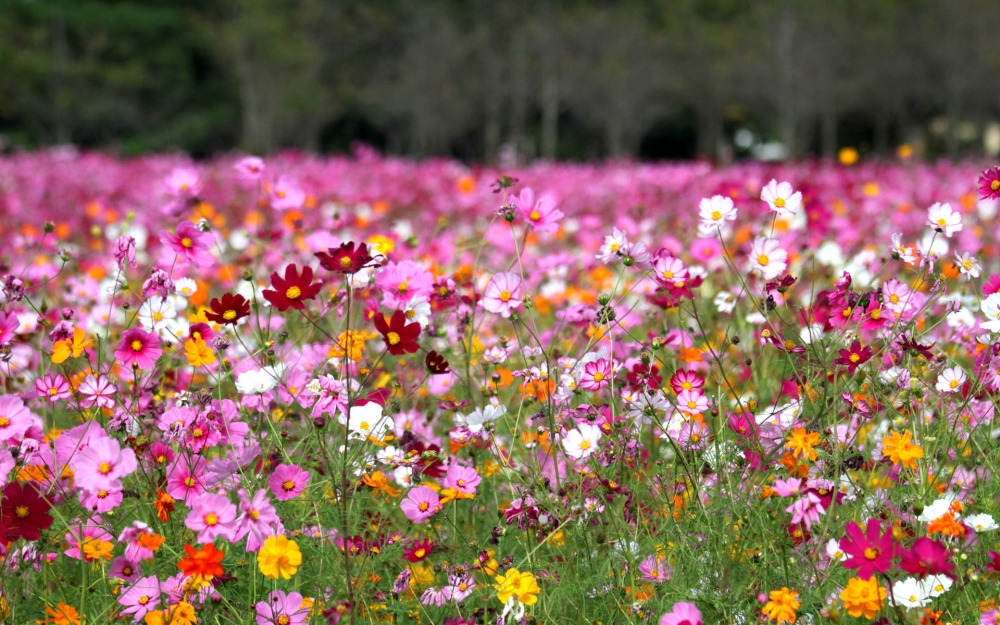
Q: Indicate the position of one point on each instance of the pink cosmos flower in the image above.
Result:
(124, 252)
(991, 286)
(8, 325)
(464, 479)
(806, 509)
(653, 569)
(186, 478)
(503, 294)
(402, 282)
(77, 538)
(282, 609)
(183, 182)
(103, 464)
(190, 244)
(787, 488)
(212, 515)
(288, 481)
(692, 402)
(53, 387)
(541, 215)
(249, 169)
(870, 550)
(15, 419)
(420, 504)
(596, 375)
(257, 519)
(101, 500)
(125, 569)
(138, 347)
(670, 271)
(142, 597)
(286, 194)
(134, 550)
(683, 613)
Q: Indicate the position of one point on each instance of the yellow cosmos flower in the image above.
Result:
(73, 347)
(279, 557)
(521, 586)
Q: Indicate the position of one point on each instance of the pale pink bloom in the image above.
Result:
(286, 194)
(941, 217)
(141, 597)
(767, 257)
(53, 387)
(692, 402)
(190, 244)
(257, 519)
(249, 168)
(670, 271)
(654, 569)
(464, 479)
(806, 509)
(282, 609)
(716, 210)
(15, 419)
(787, 488)
(103, 464)
(950, 380)
(420, 504)
(503, 294)
(896, 296)
(8, 326)
(212, 515)
(183, 182)
(401, 282)
(781, 198)
(186, 478)
(541, 215)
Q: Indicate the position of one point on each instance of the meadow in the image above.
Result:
(361, 389)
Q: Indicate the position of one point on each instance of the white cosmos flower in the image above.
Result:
(981, 522)
(937, 509)
(582, 441)
(256, 381)
(950, 380)
(942, 217)
(968, 266)
(991, 309)
(936, 585)
(910, 593)
(833, 550)
(781, 198)
(767, 257)
(715, 211)
(368, 421)
(156, 313)
(725, 302)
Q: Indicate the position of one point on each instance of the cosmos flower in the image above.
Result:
(767, 257)
(190, 244)
(292, 290)
(503, 294)
(420, 504)
(541, 215)
(781, 198)
(400, 337)
(868, 551)
(715, 211)
(288, 481)
(138, 348)
(228, 310)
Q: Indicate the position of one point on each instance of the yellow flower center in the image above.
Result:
(254, 514)
(403, 287)
(198, 433)
(21, 512)
(283, 620)
(187, 242)
(598, 376)
(953, 384)
(505, 296)
(144, 599)
(854, 358)
(53, 391)
(293, 292)
(229, 315)
(364, 426)
(942, 222)
(584, 445)
(137, 345)
(424, 506)
(668, 275)
(871, 553)
(104, 468)
(779, 202)
(157, 316)
(894, 298)
(4, 422)
(189, 482)
(288, 485)
(535, 216)
(995, 185)
(345, 262)
(211, 519)
(420, 552)
(763, 260)
(393, 338)
(716, 215)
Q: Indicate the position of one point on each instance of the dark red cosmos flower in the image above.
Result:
(927, 557)
(994, 565)
(419, 550)
(230, 309)
(293, 290)
(23, 512)
(347, 258)
(989, 184)
(908, 344)
(400, 337)
(869, 551)
(854, 357)
(436, 363)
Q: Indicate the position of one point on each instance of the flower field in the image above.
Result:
(362, 389)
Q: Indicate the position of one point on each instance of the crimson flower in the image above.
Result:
(346, 258)
(293, 290)
(868, 551)
(230, 309)
(436, 363)
(927, 557)
(989, 184)
(994, 565)
(854, 357)
(400, 337)
(419, 550)
(23, 512)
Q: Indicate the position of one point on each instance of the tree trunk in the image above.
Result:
(550, 114)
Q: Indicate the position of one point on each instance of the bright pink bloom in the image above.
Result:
(186, 478)
(989, 184)
(53, 387)
(286, 194)
(420, 504)
(103, 464)
(869, 551)
(683, 380)
(282, 609)
(926, 557)
(596, 375)
(503, 294)
(401, 282)
(992, 285)
(542, 215)
(190, 244)
(249, 169)
(257, 519)
(97, 391)
(140, 348)
(212, 515)
(288, 481)
(8, 325)
(683, 613)
(142, 597)
(464, 479)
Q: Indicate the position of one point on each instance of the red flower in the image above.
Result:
(400, 337)
(869, 552)
(419, 550)
(206, 561)
(23, 512)
(927, 557)
(989, 184)
(230, 309)
(293, 290)
(436, 363)
(346, 259)
(854, 357)
(995, 564)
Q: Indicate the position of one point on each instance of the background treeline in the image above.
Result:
(478, 78)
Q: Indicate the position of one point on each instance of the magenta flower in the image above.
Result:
(257, 519)
(186, 478)
(654, 570)
(138, 347)
(249, 168)
(15, 419)
(420, 504)
(287, 482)
(282, 609)
(79, 536)
(927, 557)
(8, 325)
(683, 613)
(464, 479)
(541, 215)
(97, 391)
(991, 285)
(53, 387)
(503, 294)
(141, 597)
(212, 515)
(596, 375)
(868, 551)
(125, 252)
(124, 569)
(103, 464)
(190, 244)
(989, 184)
(183, 182)
(401, 282)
